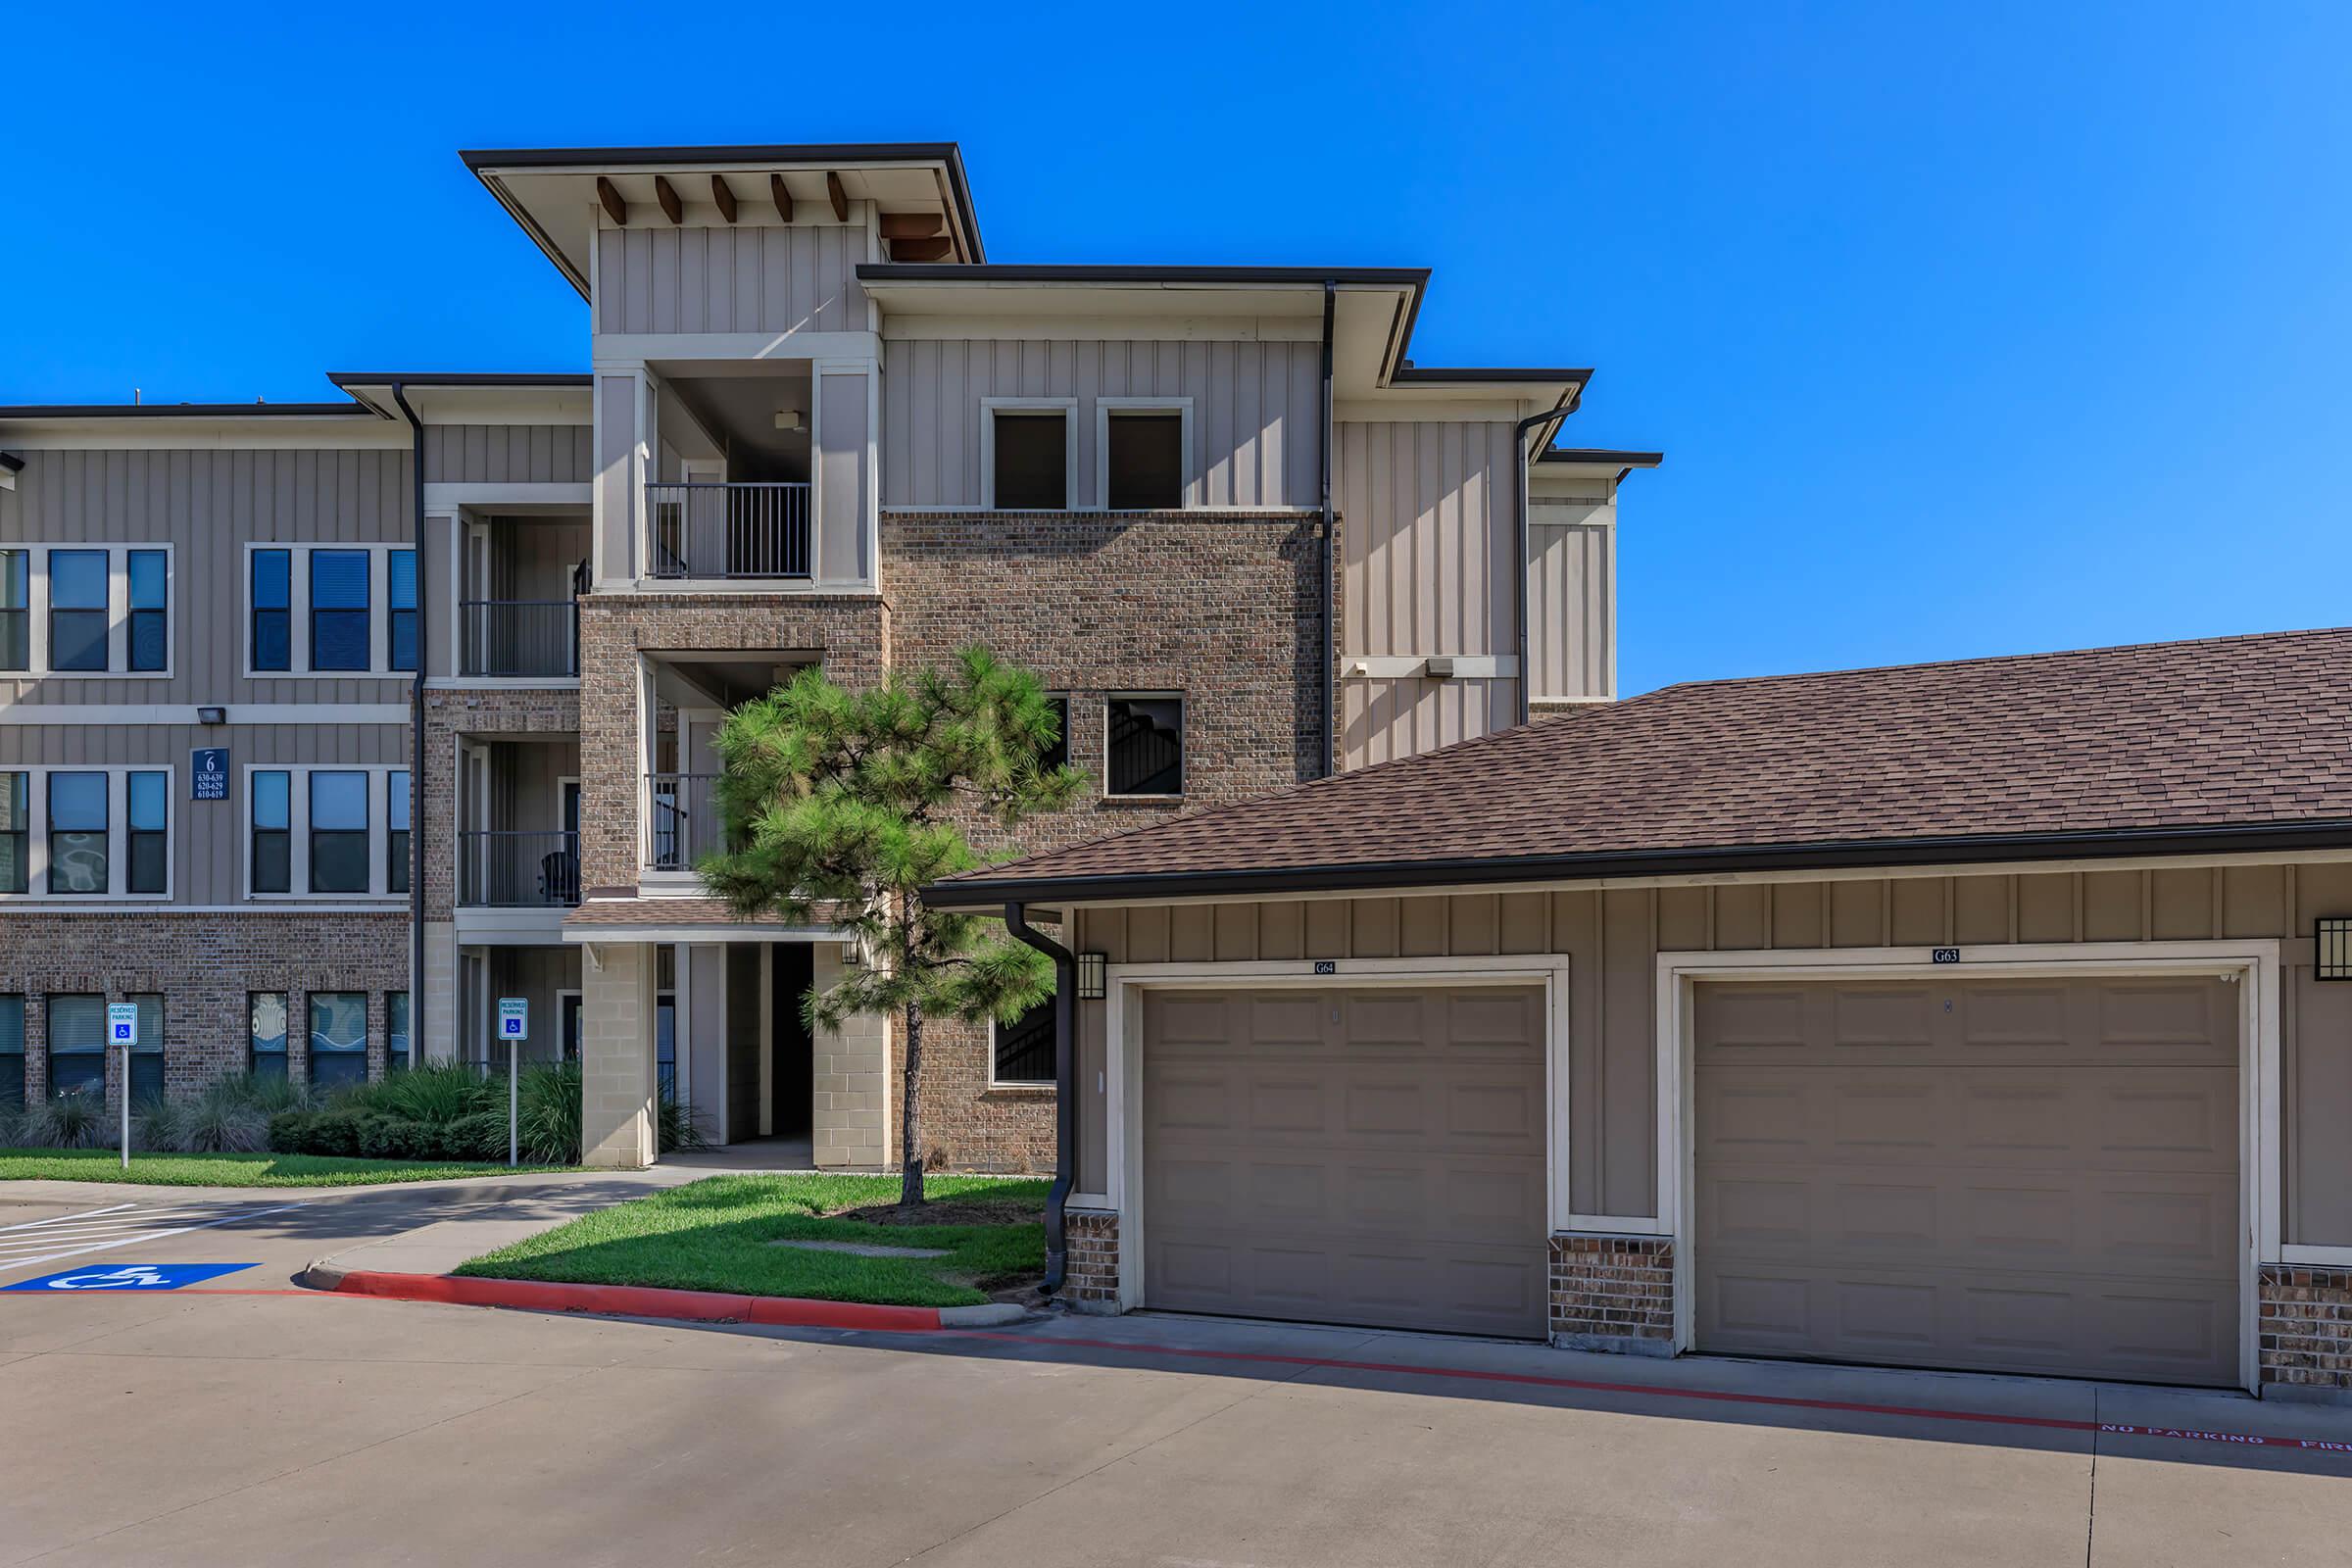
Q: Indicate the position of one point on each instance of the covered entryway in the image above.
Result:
(1367, 1156)
(2016, 1175)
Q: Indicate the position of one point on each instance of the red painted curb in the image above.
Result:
(636, 1300)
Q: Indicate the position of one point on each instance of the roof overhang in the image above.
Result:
(1592, 462)
(552, 191)
(980, 892)
(1373, 316)
(461, 397)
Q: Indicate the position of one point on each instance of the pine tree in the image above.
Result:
(841, 805)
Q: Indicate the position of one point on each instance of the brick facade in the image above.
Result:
(203, 967)
(1224, 609)
(1613, 1293)
(1092, 1281)
(2305, 1350)
(485, 713)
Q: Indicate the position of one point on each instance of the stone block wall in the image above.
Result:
(1613, 1293)
(617, 1056)
(2305, 1349)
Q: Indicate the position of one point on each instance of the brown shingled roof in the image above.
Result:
(2239, 742)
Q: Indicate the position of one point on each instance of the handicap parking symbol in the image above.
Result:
(130, 1277)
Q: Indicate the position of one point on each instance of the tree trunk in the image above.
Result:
(911, 1146)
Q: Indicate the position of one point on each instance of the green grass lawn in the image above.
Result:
(226, 1170)
(717, 1235)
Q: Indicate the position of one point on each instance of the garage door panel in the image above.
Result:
(2052, 1188)
(1391, 1171)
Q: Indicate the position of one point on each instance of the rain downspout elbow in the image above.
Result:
(1065, 1091)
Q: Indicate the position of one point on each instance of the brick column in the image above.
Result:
(2305, 1351)
(1613, 1293)
(1092, 1284)
(616, 1055)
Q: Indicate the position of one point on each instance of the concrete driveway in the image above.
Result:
(296, 1427)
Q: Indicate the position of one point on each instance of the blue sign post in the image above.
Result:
(208, 773)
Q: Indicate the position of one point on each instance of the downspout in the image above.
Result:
(1330, 682)
(416, 815)
(1065, 1090)
(1551, 415)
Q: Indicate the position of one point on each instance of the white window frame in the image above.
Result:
(1187, 471)
(1032, 1084)
(118, 611)
(298, 611)
(297, 827)
(1184, 737)
(118, 834)
(1067, 408)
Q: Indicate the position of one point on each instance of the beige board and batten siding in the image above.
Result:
(1428, 514)
(1571, 598)
(1612, 937)
(752, 276)
(208, 836)
(1257, 408)
(207, 506)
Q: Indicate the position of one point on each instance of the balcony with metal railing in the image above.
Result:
(519, 870)
(683, 819)
(742, 530)
(506, 639)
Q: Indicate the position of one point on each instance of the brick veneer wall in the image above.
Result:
(2306, 1331)
(1225, 609)
(203, 965)
(1090, 1283)
(1613, 1293)
(488, 714)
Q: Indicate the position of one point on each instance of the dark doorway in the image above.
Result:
(792, 1062)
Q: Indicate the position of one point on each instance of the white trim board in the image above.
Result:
(184, 713)
(1122, 1058)
(2254, 965)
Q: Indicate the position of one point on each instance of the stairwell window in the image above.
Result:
(1021, 1053)
(1144, 745)
(1028, 459)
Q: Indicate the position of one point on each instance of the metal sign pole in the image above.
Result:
(122, 1088)
(514, 1102)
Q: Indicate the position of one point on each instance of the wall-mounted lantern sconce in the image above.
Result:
(1092, 968)
(212, 716)
(2334, 957)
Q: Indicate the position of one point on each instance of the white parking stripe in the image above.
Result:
(63, 1220)
(146, 1230)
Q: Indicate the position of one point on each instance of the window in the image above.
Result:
(1057, 755)
(1143, 743)
(339, 630)
(77, 861)
(1024, 1048)
(77, 1045)
(400, 594)
(396, 831)
(149, 572)
(147, 1057)
(78, 609)
(338, 832)
(12, 1052)
(273, 610)
(666, 1024)
(338, 1037)
(396, 1031)
(1142, 459)
(16, 610)
(266, 1029)
(149, 804)
(15, 832)
(567, 1024)
(1031, 460)
(272, 856)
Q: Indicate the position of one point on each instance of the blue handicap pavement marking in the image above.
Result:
(130, 1277)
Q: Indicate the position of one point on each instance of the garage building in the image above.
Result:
(1975, 1015)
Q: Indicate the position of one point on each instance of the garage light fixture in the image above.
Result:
(2333, 934)
(1092, 970)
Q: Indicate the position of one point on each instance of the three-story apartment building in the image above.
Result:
(323, 726)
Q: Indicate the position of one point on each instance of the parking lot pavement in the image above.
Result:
(283, 1427)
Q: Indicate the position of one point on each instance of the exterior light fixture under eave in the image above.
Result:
(1092, 975)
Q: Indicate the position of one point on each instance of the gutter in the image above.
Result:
(1065, 1091)
(1727, 861)
(1553, 416)
(416, 815)
(1331, 673)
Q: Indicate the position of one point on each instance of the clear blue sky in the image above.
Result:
(1967, 329)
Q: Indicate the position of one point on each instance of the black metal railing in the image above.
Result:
(727, 530)
(501, 871)
(518, 637)
(1025, 1047)
(1145, 758)
(683, 810)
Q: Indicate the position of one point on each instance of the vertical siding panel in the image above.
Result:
(1373, 929)
(1242, 395)
(1235, 934)
(1422, 931)
(1192, 933)
(637, 314)
(1282, 930)
(1328, 922)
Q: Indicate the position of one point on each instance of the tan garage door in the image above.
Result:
(1367, 1156)
(2024, 1176)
